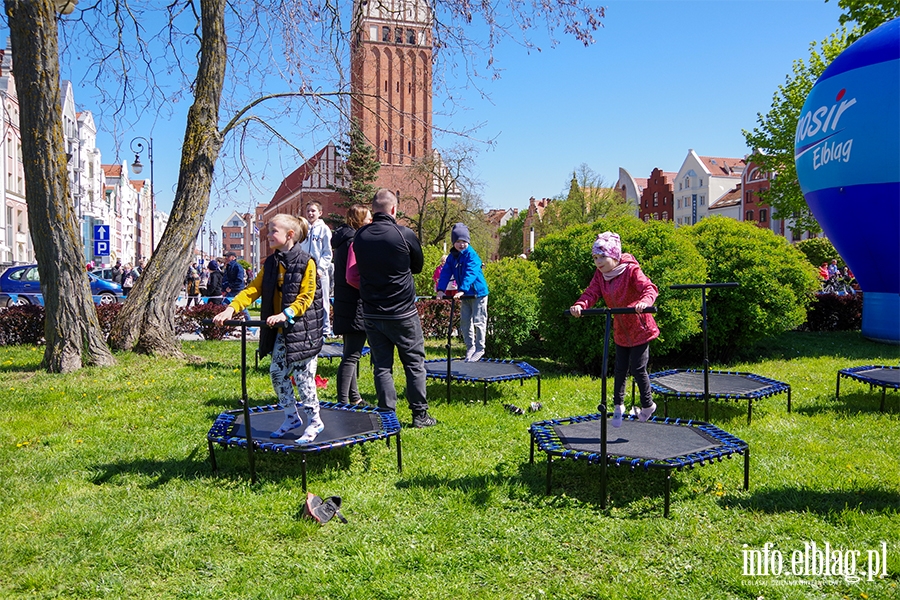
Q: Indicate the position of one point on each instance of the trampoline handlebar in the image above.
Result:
(628, 310)
(690, 286)
(238, 323)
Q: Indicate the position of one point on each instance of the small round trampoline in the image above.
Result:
(875, 375)
(250, 427)
(345, 425)
(668, 444)
(485, 370)
(705, 384)
(723, 385)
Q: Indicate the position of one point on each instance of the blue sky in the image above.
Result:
(662, 77)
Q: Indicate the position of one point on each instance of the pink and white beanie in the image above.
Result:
(608, 244)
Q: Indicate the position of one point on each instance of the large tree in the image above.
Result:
(772, 140)
(275, 52)
(587, 200)
(362, 168)
(71, 327)
(867, 15)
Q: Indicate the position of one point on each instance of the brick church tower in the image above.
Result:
(390, 76)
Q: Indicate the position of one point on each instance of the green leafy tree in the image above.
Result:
(818, 250)
(867, 15)
(512, 241)
(773, 138)
(586, 201)
(361, 163)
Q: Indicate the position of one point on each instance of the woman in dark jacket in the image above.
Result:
(347, 309)
(214, 283)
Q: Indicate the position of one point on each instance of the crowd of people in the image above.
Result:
(362, 274)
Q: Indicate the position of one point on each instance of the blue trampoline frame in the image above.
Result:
(545, 437)
(856, 373)
(774, 387)
(527, 373)
(220, 434)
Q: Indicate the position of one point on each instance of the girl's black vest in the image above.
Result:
(303, 339)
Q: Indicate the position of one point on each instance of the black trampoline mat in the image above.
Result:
(879, 375)
(481, 370)
(719, 383)
(339, 425)
(332, 350)
(649, 441)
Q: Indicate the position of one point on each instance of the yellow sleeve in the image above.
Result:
(307, 292)
(249, 294)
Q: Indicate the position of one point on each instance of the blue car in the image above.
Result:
(22, 285)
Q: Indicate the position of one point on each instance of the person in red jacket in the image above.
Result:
(621, 283)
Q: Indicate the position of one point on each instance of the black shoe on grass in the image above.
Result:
(423, 420)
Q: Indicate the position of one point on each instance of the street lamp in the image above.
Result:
(137, 146)
(202, 235)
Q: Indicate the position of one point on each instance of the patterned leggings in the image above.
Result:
(304, 376)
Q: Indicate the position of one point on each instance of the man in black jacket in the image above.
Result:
(387, 255)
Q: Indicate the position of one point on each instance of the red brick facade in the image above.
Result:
(658, 197)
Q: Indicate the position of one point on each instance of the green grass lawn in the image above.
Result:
(106, 491)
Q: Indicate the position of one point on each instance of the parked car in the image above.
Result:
(22, 285)
(104, 273)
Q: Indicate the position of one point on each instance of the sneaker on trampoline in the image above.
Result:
(423, 420)
(290, 423)
(646, 413)
(476, 356)
(314, 428)
(618, 415)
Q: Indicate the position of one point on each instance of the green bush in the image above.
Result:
(776, 283)
(818, 251)
(566, 269)
(424, 281)
(513, 307)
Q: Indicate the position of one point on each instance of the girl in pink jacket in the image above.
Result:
(621, 283)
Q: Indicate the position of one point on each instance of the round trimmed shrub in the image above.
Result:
(818, 251)
(513, 307)
(566, 268)
(776, 283)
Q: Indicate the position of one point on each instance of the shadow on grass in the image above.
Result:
(576, 480)
(821, 502)
(233, 466)
(848, 345)
(26, 368)
(853, 404)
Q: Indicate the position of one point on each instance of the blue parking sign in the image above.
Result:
(101, 247)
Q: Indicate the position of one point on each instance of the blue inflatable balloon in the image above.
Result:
(847, 152)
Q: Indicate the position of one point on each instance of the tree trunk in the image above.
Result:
(71, 329)
(147, 321)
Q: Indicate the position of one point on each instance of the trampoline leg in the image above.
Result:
(530, 454)
(549, 468)
(399, 455)
(212, 456)
(303, 471)
(668, 493)
(539, 387)
(485, 393)
(883, 390)
(665, 405)
(747, 469)
(789, 399)
(837, 388)
(749, 409)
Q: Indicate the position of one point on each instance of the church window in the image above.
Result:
(385, 34)
(398, 36)
(410, 37)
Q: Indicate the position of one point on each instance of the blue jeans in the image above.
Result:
(406, 336)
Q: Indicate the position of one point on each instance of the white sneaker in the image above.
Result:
(645, 413)
(618, 415)
(314, 428)
(476, 356)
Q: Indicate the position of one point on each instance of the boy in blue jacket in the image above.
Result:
(464, 266)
